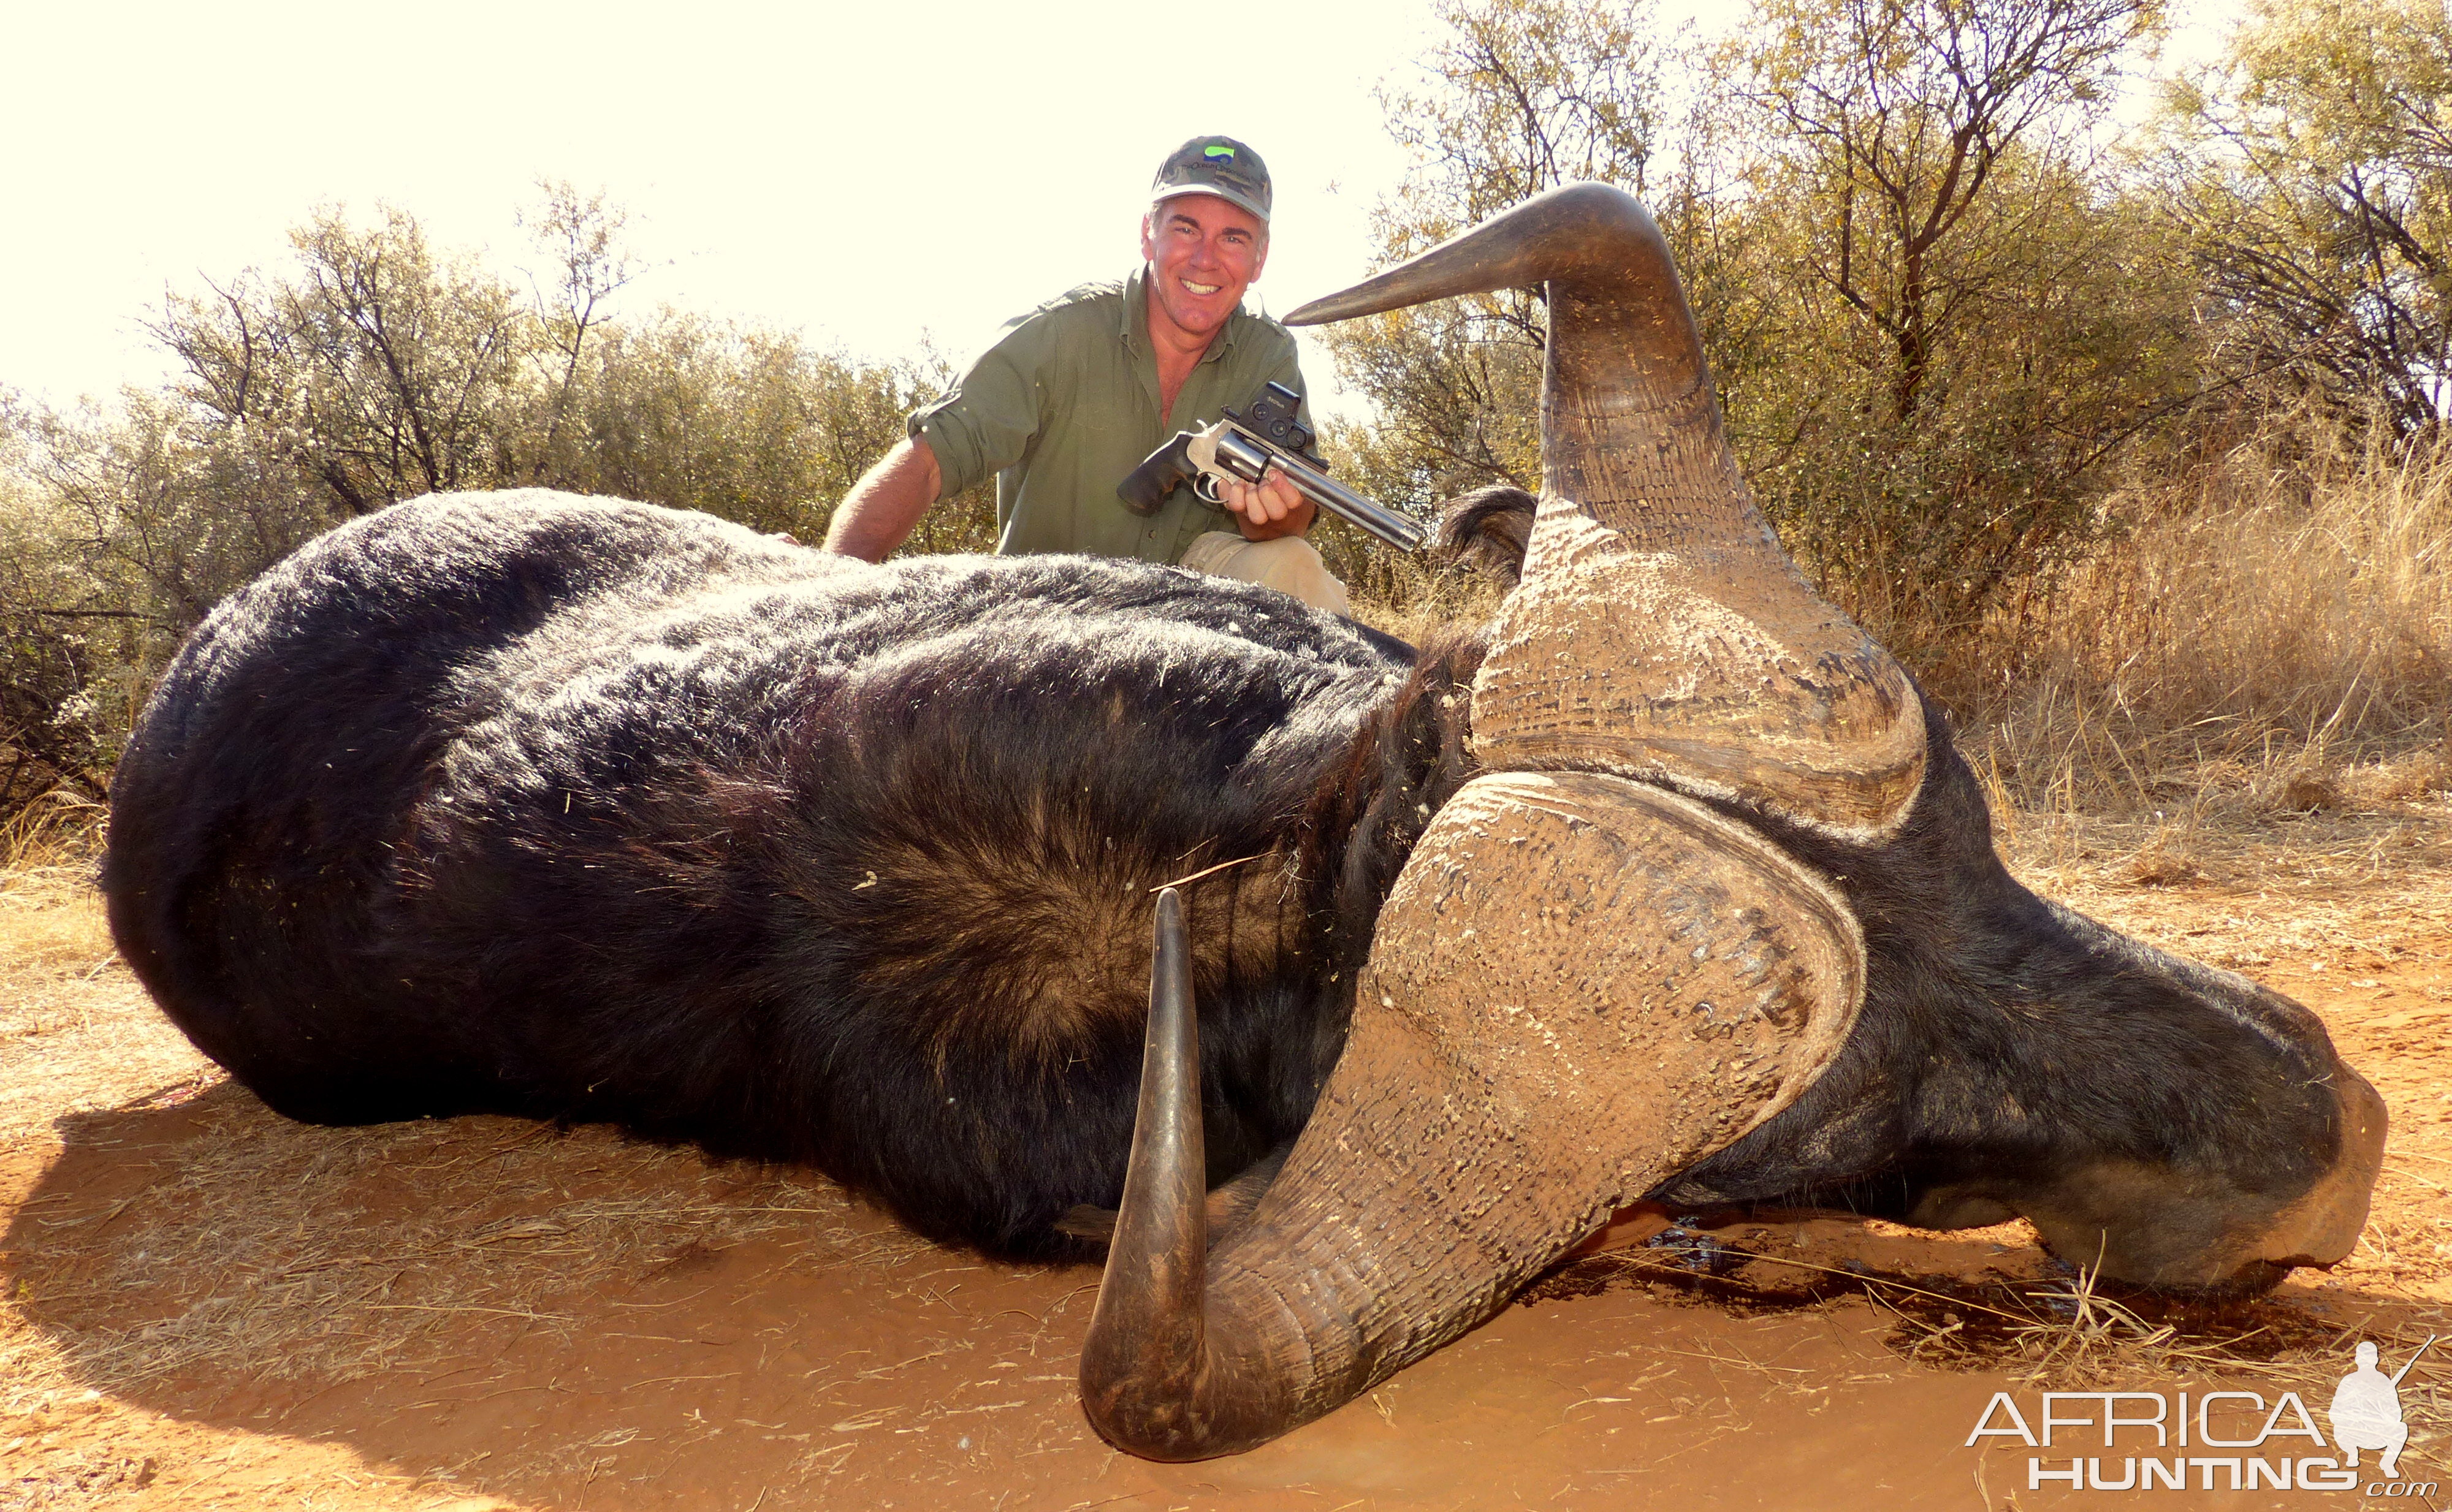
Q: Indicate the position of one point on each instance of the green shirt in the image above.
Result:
(1065, 403)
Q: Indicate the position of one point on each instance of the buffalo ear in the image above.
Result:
(1083, 1221)
(1487, 530)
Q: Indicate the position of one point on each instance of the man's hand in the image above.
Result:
(1268, 510)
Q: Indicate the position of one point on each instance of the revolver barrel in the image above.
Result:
(1246, 456)
(1369, 514)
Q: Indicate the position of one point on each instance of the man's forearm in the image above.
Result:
(879, 513)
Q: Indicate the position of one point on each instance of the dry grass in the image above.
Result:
(49, 913)
(1417, 600)
(2273, 638)
(2099, 1344)
(2279, 644)
(57, 963)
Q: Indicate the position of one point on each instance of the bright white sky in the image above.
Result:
(866, 173)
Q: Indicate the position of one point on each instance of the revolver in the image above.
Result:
(1245, 448)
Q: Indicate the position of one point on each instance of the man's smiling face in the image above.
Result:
(1203, 252)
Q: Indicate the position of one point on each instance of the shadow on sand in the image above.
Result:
(575, 1320)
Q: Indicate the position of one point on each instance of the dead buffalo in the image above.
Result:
(1672, 884)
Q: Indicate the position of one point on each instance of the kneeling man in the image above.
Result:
(1075, 393)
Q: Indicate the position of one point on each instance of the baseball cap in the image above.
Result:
(1214, 165)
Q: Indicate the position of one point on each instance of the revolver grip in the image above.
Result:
(1145, 489)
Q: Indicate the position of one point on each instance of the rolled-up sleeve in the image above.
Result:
(985, 423)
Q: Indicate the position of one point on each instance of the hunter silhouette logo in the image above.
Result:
(2144, 1441)
(2366, 1409)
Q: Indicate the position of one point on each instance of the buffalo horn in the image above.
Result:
(1660, 631)
(1549, 932)
(1147, 1338)
(1579, 983)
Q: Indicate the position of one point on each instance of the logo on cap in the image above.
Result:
(1219, 166)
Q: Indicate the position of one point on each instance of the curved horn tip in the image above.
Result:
(1146, 1350)
(1554, 234)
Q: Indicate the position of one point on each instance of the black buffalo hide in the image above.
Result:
(594, 810)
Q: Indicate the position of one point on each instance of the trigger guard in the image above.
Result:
(1204, 487)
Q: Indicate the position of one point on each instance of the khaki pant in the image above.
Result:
(1290, 564)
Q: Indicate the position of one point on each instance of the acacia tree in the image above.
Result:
(2312, 171)
(1937, 316)
(1976, 312)
(1895, 120)
(60, 619)
(374, 367)
(384, 370)
(748, 423)
(580, 239)
(1520, 96)
(370, 368)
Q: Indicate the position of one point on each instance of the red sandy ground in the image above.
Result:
(206, 1306)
